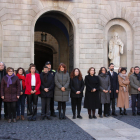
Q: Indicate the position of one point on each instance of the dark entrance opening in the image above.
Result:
(42, 54)
(59, 26)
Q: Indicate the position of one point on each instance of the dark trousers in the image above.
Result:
(52, 105)
(134, 97)
(11, 108)
(62, 105)
(0, 106)
(5, 109)
(106, 108)
(33, 98)
(112, 102)
(76, 102)
(45, 103)
(21, 104)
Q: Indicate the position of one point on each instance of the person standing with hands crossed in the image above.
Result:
(114, 87)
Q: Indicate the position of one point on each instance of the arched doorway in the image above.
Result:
(56, 24)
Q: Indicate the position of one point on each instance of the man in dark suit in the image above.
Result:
(114, 87)
(51, 71)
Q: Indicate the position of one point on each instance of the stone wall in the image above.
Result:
(89, 19)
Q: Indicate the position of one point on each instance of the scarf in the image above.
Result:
(138, 76)
(103, 74)
(9, 82)
(21, 77)
(122, 75)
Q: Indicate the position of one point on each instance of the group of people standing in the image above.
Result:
(52, 86)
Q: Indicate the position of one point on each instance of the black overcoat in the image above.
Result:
(91, 100)
(114, 84)
(76, 85)
(48, 83)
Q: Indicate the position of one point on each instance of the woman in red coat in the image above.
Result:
(32, 83)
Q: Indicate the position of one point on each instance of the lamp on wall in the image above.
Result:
(43, 37)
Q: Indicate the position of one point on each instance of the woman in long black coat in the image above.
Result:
(92, 101)
(77, 87)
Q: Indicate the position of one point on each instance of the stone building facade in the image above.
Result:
(81, 30)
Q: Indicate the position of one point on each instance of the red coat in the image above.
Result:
(28, 84)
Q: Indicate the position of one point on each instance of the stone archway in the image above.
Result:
(129, 41)
(72, 20)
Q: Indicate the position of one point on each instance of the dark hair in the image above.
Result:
(111, 64)
(119, 70)
(90, 70)
(122, 69)
(22, 70)
(45, 67)
(29, 70)
(136, 67)
(72, 75)
(64, 66)
(100, 71)
(9, 68)
(131, 69)
(31, 64)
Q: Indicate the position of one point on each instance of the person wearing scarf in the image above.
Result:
(21, 101)
(10, 92)
(123, 96)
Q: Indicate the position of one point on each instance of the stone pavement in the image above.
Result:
(42, 130)
(109, 128)
(112, 128)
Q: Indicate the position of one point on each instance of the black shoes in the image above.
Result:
(105, 115)
(33, 118)
(78, 116)
(53, 114)
(64, 117)
(114, 114)
(134, 114)
(49, 118)
(100, 116)
(74, 117)
(42, 118)
(121, 113)
(138, 113)
(90, 117)
(94, 117)
(29, 118)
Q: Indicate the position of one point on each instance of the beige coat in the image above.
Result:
(123, 96)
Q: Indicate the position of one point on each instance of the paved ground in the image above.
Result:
(42, 130)
(129, 119)
(112, 128)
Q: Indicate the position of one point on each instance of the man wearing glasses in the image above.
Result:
(135, 90)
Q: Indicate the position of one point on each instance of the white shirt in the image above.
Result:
(111, 72)
(33, 81)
